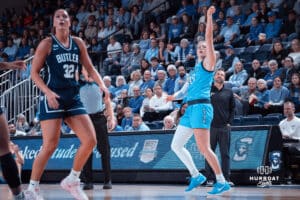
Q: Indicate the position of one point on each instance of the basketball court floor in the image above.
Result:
(166, 192)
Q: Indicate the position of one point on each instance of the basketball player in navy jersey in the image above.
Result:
(63, 56)
(8, 164)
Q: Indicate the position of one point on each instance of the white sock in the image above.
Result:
(180, 138)
(220, 178)
(33, 185)
(74, 175)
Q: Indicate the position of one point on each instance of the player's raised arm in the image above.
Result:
(210, 59)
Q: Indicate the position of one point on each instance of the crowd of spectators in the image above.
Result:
(144, 57)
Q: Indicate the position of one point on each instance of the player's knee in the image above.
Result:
(175, 146)
(49, 149)
(90, 143)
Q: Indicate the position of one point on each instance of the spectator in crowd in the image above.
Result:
(200, 34)
(202, 13)
(160, 31)
(186, 7)
(229, 61)
(181, 79)
(287, 71)
(138, 124)
(95, 51)
(155, 67)
(294, 89)
(278, 53)
(175, 30)
(253, 13)
(288, 29)
(170, 82)
(229, 34)
(148, 82)
(273, 72)
(185, 55)
(22, 124)
(295, 51)
(75, 27)
(146, 101)
(124, 63)
(239, 76)
(101, 34)
(127, 119)
(258, 99)
(172, 52)
(263, 12)
(145, 42)
(11, 49)
(114, 50)
(135, 60)
(219, 60)
(135, 80)
(23, 50)
(242, 97)
(135, 21)
(278, 94)
(109, 86)
(169, 123)
(256, 70)
(123, 18)
(273, 26)
(162, 52)
(35, 128)
(120, 85)
(90, 30)
(159, 107)
(145, 65)
(188, 30)
(135, 102)
(152, 51)
(238, 17)
(14, 132)
(255, 29)
(161, 78)
(220, 20)
(123, 98)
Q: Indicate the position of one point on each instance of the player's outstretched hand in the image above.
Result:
(211, 10)
(18, 64)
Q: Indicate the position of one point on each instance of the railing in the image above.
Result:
(21, 97)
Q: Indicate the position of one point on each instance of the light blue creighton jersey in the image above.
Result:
(63, 65)
(200, 83)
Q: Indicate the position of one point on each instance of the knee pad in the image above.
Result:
(10, 170)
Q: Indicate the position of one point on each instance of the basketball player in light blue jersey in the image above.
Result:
(62, 55)
(199, 113)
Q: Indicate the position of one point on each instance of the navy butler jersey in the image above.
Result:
(63, 65)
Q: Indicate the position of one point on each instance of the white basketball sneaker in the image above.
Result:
(73, 187)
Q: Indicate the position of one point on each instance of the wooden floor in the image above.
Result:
(166, 192)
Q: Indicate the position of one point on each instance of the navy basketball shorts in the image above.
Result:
(69, 105)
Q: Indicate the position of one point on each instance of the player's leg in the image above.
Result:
(203, 142)
(84, 129)
(180, 138)
(8, 164)
(51, 134)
